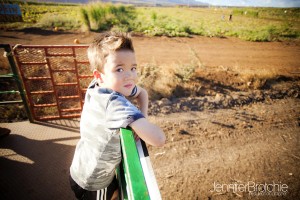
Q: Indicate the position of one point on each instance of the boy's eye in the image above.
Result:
(133, 69)
(120, 70)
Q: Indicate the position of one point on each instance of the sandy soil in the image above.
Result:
(219, 145)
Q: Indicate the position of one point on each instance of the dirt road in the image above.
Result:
(229, 52)
(227, 144)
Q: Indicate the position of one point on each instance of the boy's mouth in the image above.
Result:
(128, 86)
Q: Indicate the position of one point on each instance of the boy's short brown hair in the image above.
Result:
(106, 43)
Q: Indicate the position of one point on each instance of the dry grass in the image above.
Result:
(256, 78)
(160, 81)
(193, 79)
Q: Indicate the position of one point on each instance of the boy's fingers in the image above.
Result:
(136, 137)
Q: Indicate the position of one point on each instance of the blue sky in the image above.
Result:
(259, 3)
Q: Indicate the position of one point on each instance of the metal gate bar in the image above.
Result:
(135, 173)
(55, 79)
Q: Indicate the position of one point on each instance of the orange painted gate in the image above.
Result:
(55, 79)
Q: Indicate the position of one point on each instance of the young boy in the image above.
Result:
(105, 111)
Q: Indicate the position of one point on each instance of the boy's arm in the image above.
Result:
(142, 99)
(148, 132)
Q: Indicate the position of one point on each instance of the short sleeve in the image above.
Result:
(120, 112)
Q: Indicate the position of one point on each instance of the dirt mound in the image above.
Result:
(228, 97)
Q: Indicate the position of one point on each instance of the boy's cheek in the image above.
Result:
(136, 78)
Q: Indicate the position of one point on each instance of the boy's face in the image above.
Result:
(119, 72)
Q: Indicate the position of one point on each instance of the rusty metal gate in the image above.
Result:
(55, 79)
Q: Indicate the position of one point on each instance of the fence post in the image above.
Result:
(16, 78)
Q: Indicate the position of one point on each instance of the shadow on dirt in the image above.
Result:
(40, 31)
(9, 36)
(64, 124)
(278, 79)
(231, 126)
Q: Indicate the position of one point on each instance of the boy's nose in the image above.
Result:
(128, 74)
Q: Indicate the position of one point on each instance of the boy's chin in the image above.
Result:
(126, 94)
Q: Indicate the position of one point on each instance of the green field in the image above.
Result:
(252, 24)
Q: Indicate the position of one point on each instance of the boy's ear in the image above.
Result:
(97, 75)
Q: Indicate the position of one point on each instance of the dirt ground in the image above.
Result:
(228, 143)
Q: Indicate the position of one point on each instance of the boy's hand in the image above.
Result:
(136, 137)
